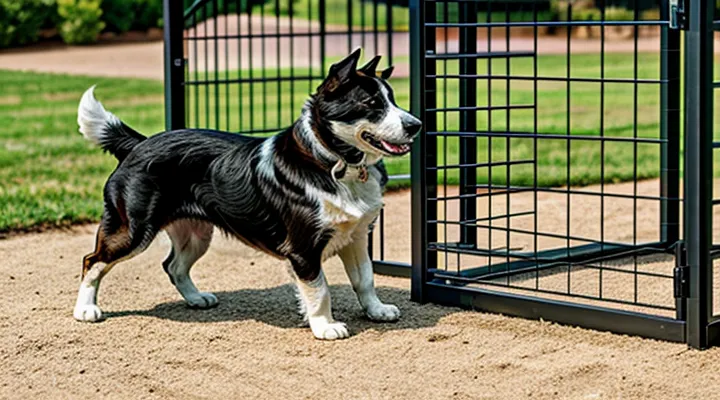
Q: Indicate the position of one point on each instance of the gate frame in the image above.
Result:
(694, 323)
(702, 329)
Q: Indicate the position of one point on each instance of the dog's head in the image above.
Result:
(356, 114)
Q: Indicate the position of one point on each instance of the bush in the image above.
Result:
(619, 14)
(148, 14)
(118, 15)
(21, 21)
(124, 15)
(80, 20)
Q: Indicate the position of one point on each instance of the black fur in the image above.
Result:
(218, 177)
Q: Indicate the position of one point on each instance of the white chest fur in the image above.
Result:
(350, 212)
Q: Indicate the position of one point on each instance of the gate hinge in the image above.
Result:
(678, 18)
(681, 275)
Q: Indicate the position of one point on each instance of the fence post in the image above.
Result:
(174, 64)
(698, 167)
(424, 153)
(670, 96)
(323, 34)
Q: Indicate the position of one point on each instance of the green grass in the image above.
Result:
(336, 13)
(49, 175)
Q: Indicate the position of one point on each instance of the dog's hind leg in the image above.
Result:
(113, 244)
(190, 240)
(359, 269)
(314, 292)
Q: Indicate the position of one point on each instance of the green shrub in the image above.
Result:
(81, 22)
(652, 14)
(619, 14)
(21, 21)
(118, 15)
(588, 14)
(148, 14)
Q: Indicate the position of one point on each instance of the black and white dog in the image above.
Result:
(305, 194)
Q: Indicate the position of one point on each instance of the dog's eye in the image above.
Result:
(373, 103)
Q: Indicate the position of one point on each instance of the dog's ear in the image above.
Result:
(341, 72)
(387, 72)
(369, 68)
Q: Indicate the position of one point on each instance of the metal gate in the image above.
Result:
(502, 219)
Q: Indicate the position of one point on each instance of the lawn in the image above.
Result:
(50, 176)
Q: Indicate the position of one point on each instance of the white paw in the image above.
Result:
(87, 313)
(383, 312)
(329, 331)
(201, 300)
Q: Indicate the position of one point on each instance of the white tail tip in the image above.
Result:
(93, 119)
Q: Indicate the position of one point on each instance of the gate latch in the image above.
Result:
(681, 273)
(678, 18)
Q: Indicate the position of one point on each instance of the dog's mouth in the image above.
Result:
(394, 149)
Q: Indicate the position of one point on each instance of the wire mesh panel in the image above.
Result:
(250, 65)
(553, 184)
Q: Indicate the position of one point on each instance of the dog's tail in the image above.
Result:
(105, 129)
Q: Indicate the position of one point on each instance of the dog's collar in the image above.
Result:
(340, 168)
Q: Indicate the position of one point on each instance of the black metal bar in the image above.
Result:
(479, 56)
(270, 35)
(472, 221)
(468, 122)
(422, 43)
(392, 268)
(251, 66)
(602, 144)
(483, 108)
(227, 68)
(545, 23)
(568, 296)
(518, 189)
(587, 316)
(535, 143)
(216, 54)
(349, 25)
(323, 34)
(585, 255)
(568, 114)
(550, 78)
(389, 29)
(670, 95)
(698, 167)
(251, 80)
(549, 136)
(174, 60)
(482, 165)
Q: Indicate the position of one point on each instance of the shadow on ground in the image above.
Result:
(278, 307)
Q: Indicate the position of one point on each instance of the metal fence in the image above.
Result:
(522, 108)
(517, 123)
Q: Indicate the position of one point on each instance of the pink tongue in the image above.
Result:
(391, 147)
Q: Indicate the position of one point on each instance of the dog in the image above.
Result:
(312, 191)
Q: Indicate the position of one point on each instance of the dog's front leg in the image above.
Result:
(314, 293)
(359, 269)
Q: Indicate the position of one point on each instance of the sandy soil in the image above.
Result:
(253, 345)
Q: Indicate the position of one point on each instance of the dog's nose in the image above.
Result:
(412, 127)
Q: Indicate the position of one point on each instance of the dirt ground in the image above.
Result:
(253, 345)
